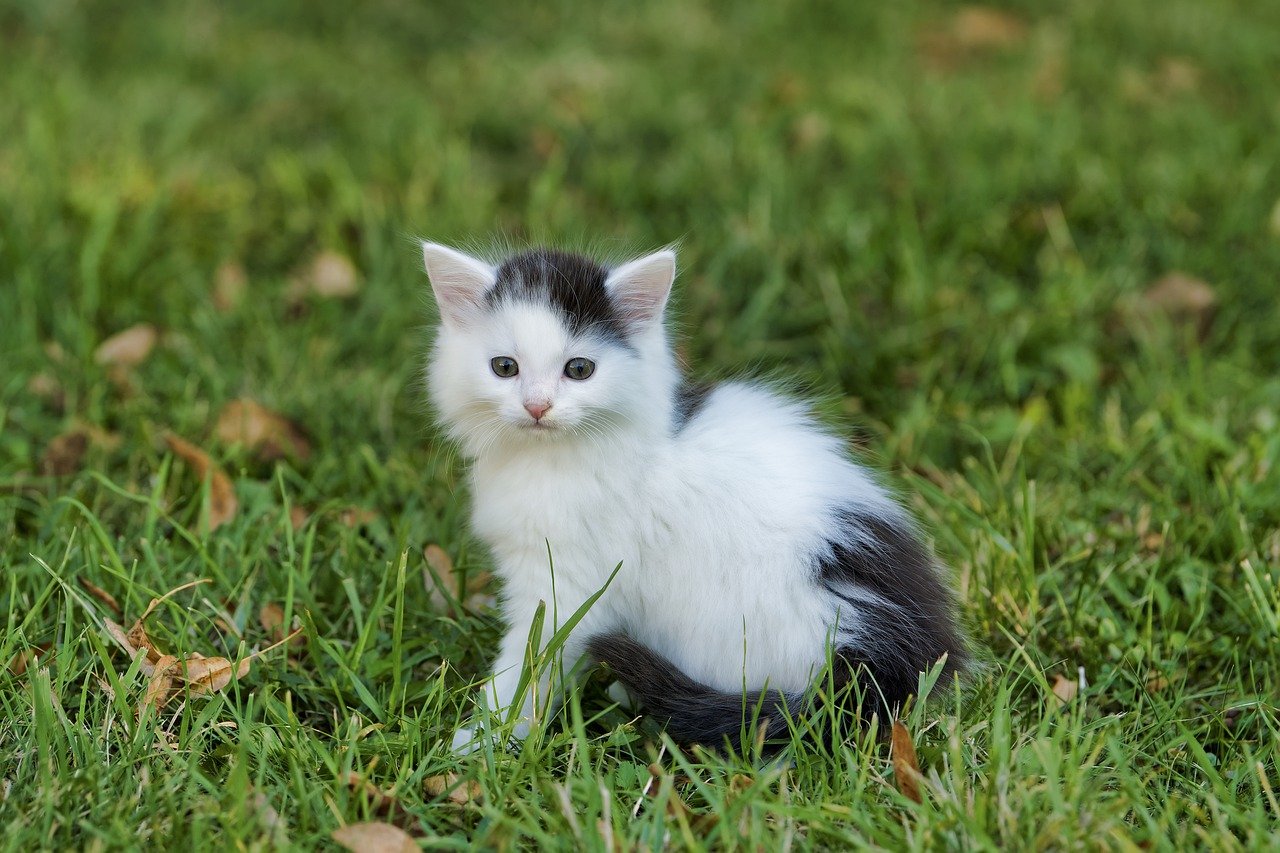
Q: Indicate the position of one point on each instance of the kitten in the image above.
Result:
(750, 545)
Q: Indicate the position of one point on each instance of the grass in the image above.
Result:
(945, 224)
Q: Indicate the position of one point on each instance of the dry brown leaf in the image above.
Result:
(269, 435)
(64, 453)
(211, 675)
(99, 593)
(1157, 683)
(45, 386)
(382, 803)
(117, 633)
(19, 663)
(1065, 688)
(462, 793)
(160, 687)
(23, 660)
(229, 285)
(330, 275)
(136, 638)
(140, 640)
(354, 516)
(1176, 75)
(271, 617)
(1048, 80)
(906, 767)
(128, 348)
(298, 516)
(440, 564)
(375, 838)
(1183, 298)
(222, 495)
(982, 27)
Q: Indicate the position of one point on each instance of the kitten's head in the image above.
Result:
(547, 345)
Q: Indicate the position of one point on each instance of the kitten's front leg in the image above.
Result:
(541, 695)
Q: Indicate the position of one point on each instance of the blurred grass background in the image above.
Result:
(947, 219)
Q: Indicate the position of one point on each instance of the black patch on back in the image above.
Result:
(571, 284)
(690, 398)
(906, 638)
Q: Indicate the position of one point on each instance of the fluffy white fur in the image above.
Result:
(716, 524)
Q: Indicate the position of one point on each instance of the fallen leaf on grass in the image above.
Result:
(128, 348)
(23, 660)
(210, 675)
(1065, 689)
(229, 285)
(330, 275)
(136, 639)
(298, 516)
(267, 434)
(222, 495)
(271, 617)
(973, 30)
(382, 803)
(198, 674)
(1184, 298)
(99, 593)
(375, 838)
(906, 767)
(160, 687)
(354, 516)
(1176, 75)
(441, 568)
(63, 454)
(460, 793)
(986, 28)
(45, 386)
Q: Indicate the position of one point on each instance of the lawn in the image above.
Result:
(1028, 257)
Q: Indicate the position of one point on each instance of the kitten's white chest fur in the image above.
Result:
(751, 547)
(715, 526)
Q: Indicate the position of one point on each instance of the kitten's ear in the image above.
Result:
(641, 287)
(459, 281)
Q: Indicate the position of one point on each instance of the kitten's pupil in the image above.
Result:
(504, 366)
(579, 368)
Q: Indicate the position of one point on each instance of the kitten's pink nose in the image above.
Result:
(537, 409)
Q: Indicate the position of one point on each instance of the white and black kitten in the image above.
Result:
(752, 548)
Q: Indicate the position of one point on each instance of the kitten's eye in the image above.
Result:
(504, 366)
(579, 368)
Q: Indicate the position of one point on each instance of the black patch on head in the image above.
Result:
(905, 637)
(690, 398)
(571, 284)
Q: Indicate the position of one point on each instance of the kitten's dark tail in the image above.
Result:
(692, 711)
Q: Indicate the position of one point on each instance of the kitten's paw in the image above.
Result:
(619, 693)
(467, 740)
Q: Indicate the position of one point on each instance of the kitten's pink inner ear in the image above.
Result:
(640, 288)
(458, 280)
